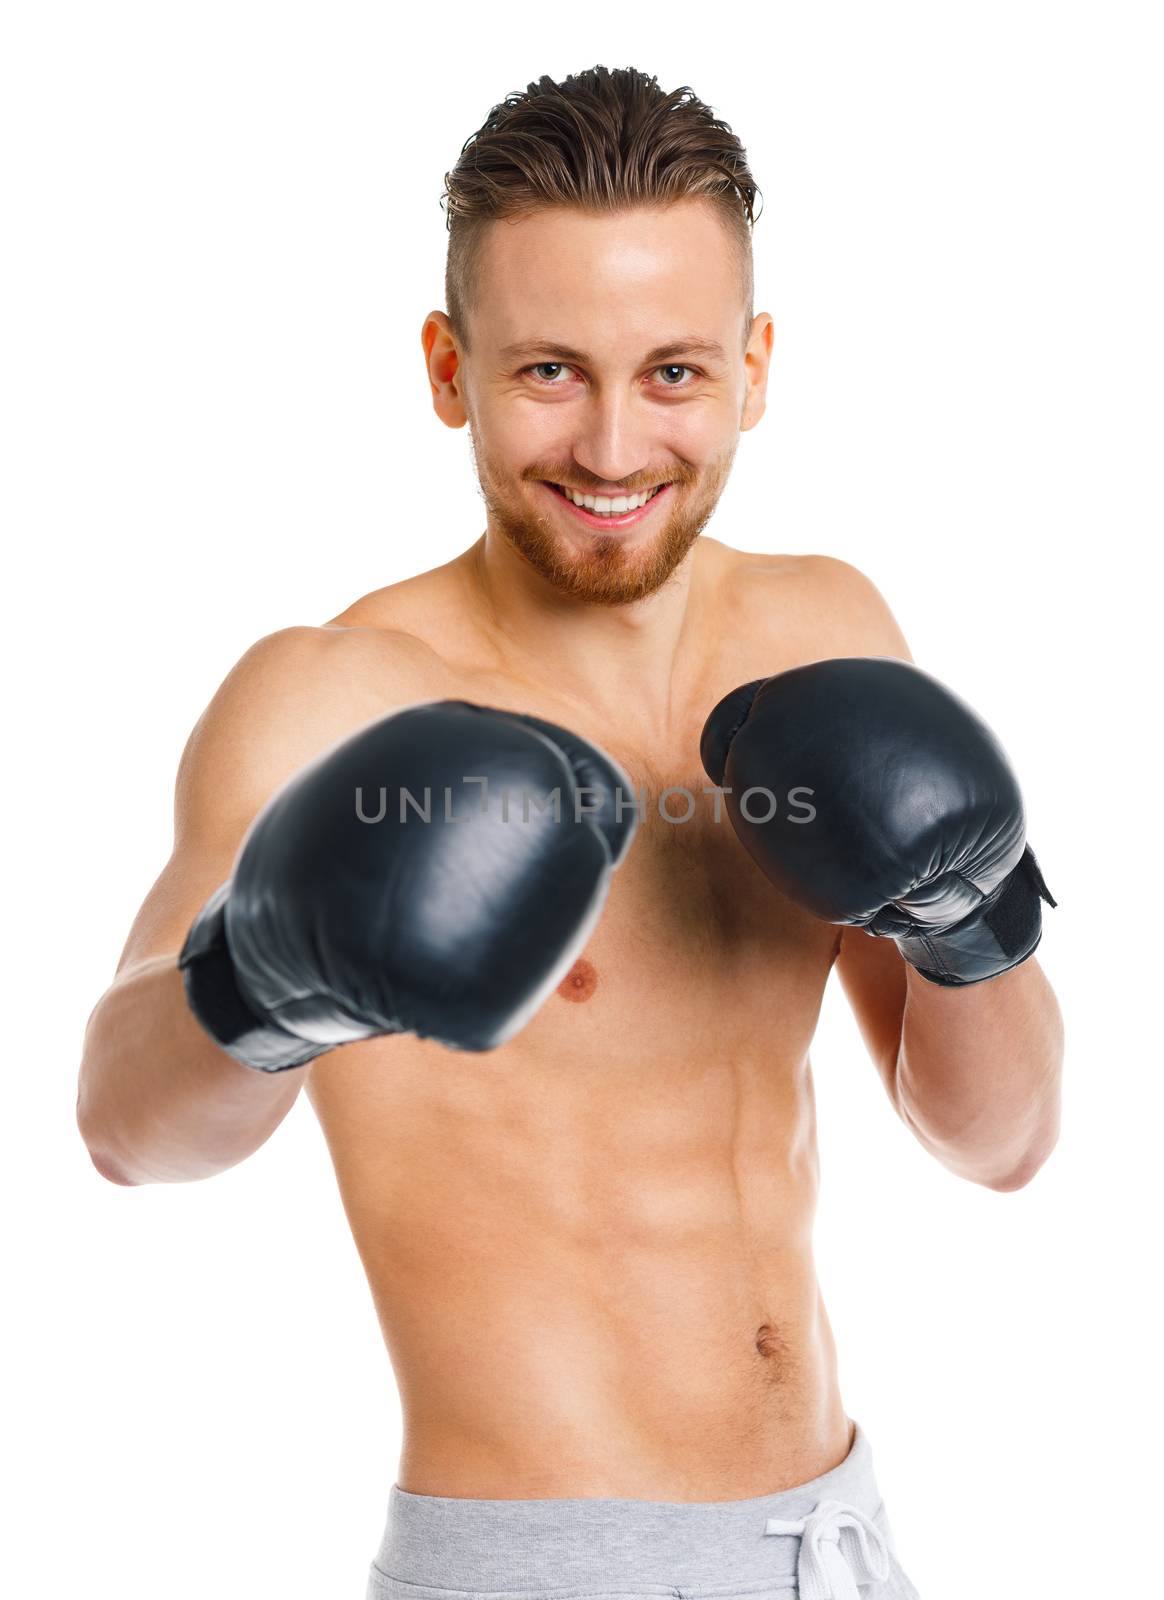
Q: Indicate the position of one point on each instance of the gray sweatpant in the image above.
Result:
(828, 1539)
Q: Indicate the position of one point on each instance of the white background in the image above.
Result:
(222, 236)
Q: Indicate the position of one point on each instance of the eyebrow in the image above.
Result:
(686, 344)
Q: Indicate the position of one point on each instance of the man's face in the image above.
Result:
(607, 359)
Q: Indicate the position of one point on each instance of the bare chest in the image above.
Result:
(695, 951)
(696, 996)
(694, 1001)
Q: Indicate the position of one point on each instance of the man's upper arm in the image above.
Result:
(291, 696)
(872, 975)
(871, 970)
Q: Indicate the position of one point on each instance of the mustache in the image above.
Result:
(567, 477)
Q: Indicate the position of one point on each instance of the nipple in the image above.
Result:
(579, 983)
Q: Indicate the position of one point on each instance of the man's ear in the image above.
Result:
(443, 360)
(757, 355)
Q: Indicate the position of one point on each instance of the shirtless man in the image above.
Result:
(587, 1225)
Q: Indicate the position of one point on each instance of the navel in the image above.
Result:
(768, 1341)
(580, 983)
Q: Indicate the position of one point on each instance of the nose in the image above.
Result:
(613, 443)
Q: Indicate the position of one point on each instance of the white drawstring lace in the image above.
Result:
(840, 1548)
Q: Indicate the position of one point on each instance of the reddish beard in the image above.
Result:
(606, 572)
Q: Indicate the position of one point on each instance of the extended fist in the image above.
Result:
(436, 873)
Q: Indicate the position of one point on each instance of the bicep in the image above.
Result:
(872, 975)
(291, 695)
(228, 767)
(180, 891)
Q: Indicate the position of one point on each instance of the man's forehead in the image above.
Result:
(578, 284)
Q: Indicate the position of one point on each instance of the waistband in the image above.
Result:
(597, 1546)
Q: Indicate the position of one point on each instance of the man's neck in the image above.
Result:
(592, 653)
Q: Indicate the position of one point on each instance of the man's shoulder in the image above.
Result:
(827, 605)
(302, 687)
(408, 607)
(317, 675)
(801, 573)
(291, 695)
(303, 658)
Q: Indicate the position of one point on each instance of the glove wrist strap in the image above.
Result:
(214, 996)
(999, 934)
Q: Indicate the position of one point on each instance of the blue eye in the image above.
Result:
(556, 370)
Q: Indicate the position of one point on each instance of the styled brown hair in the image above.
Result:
(599, 141)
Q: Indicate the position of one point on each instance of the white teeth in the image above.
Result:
(604, 506)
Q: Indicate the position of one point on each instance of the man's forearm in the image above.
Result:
(158, 1101)
(978, 1073)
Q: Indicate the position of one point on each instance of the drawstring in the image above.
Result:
(839, 1549)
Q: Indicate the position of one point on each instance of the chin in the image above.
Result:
(609, 571)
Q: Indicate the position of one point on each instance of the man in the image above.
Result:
(561, 1061)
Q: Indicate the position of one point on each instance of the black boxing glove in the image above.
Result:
(419, 877)
(880, 800)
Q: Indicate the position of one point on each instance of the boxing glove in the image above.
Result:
(419, 877)
(873, 797)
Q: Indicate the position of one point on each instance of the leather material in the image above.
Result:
(918, 829)
(419, 877)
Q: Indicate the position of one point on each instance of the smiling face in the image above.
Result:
(608, 360)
